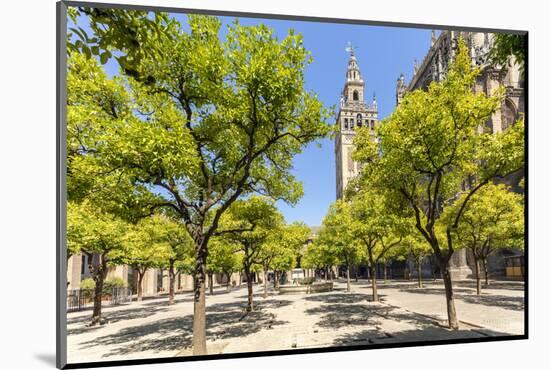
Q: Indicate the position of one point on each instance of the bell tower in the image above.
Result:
(354, 114)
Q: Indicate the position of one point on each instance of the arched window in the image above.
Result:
(372, 124)
(355, 95)
(351, 123)
(359, 120)
(346, 124)
(509, 115)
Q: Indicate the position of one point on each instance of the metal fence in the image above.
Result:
(81, 299)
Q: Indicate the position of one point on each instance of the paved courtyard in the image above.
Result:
(153, 329)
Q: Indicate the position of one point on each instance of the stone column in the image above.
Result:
(74, 269)
(186, 282)
(150, 283)
(459, 268)
(166, 281)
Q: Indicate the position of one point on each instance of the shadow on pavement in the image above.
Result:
(469, 296)
(134, 312)
(223, 321)
(336, 297)
(430, 333)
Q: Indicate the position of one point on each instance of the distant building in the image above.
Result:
(155, 280)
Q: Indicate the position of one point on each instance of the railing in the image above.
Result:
(81, 299)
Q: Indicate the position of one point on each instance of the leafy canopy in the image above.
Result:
(436, 145)
(214, 122)
(93, 232)
(337, 237)
(494, 218)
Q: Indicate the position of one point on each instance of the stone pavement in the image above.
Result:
(153, 329)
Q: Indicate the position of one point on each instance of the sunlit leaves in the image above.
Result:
(493, 218)
(94, 232)
(207, 119)
(134, 34)
(146, 245)
(336, 236)
(436, 145)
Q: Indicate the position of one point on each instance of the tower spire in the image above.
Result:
(354, 114)
(353, 73)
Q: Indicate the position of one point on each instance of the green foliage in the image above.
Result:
(375, 226)
(94, 232)
(432, 145)
(336, 237)
(364, 227)
(167, 230)
(285, 244)
(145, 246)
(223, 256)
(249, 227)
(133, 34)
(87, 288)
(414, 246)
(112, 283)
(95, 104)
(319, 255)
(492, 219)
(87, 284)
(505, 46)
(212, 121)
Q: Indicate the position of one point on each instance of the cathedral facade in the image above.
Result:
(435, 65)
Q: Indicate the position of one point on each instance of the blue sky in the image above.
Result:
(383, 53)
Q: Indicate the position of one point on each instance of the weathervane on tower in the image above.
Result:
(351, 48)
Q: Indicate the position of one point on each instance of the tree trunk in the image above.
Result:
(432, 268)
(451, 310)
(211, 283)
(356, 273)
(374, 286)
(240, 278)
(385, 273)
(172, 277)
(228, 281)
(419, 272)
(250, 303)
(478, 277)
(100, 272)
(348, 278)
(199, 299)
(368, 273)
(265, 283)
(486, 271)
(140, 285)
